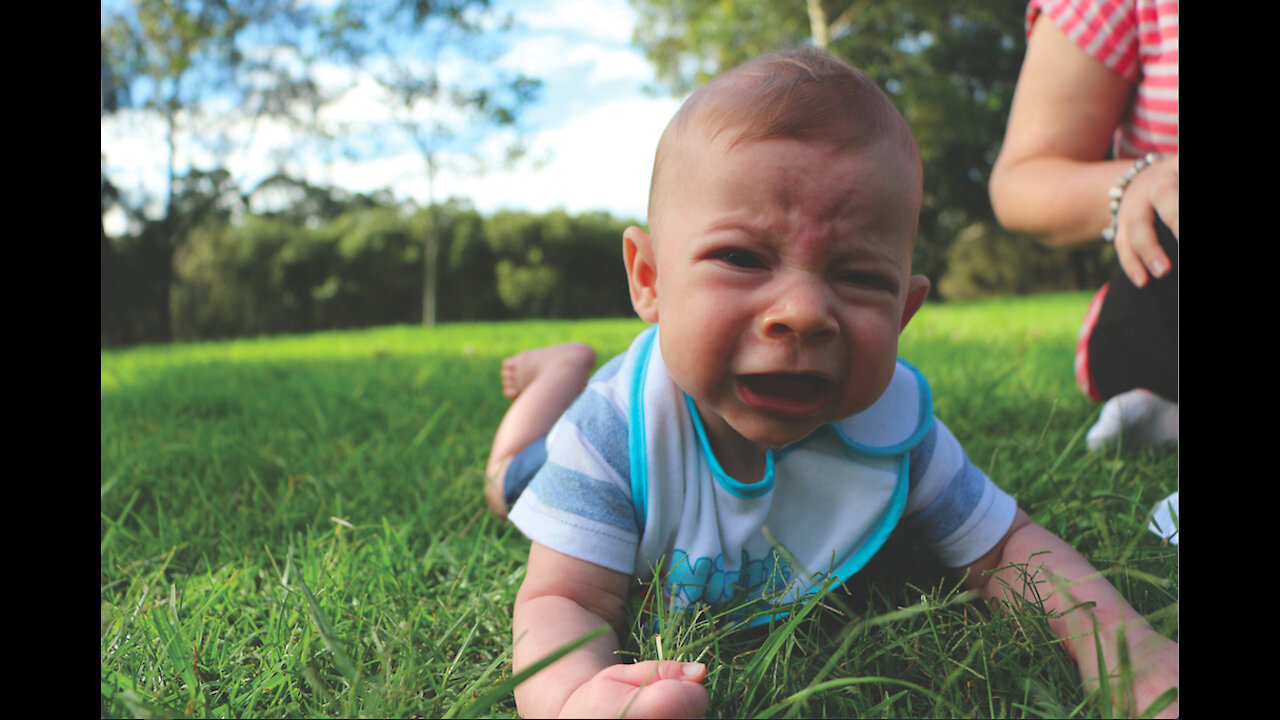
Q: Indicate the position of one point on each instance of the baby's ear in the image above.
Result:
(917, 291)
(642, 272)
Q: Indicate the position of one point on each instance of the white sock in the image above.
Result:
(1135, 418)
(1162, 518)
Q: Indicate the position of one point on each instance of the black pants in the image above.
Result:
(1134, 343)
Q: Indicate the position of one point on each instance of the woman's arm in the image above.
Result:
(1050, 178)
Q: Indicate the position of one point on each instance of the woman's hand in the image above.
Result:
(1152, 193)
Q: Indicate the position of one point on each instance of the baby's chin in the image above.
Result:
(776, 433)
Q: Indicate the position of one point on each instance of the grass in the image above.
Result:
(292, 526)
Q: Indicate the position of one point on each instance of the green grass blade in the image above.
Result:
(773, 710)
(1160, 703)
(327, 635)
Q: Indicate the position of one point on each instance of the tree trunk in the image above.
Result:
(430, 249)
(168, 238)
(818, 24)
(430, 254)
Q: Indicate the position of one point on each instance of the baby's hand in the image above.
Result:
(649, 689)
(1154, 660)
(1155, 671)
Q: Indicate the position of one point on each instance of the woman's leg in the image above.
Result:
(1134, 343)
(1129, 358)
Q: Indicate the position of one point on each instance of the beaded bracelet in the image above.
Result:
(1117, 191)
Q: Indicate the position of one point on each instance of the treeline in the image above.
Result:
(288, 257)
(328, 261)
(322, 259)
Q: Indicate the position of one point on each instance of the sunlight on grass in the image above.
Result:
(292, 526)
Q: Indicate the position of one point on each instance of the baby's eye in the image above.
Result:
(866, 279)
(741, 258)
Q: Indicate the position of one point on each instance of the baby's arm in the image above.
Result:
(1065, 578)
(563, 598)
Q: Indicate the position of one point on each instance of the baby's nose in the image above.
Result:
(804, 312)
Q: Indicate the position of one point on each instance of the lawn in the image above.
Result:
(292, 526)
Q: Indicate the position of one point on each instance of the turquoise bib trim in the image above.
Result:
(892, 514)
(635, 434)
(869, 545)
(924, 420)
(739, 489)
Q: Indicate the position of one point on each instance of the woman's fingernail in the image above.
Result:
(693, 669)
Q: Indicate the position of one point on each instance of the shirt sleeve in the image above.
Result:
(1105, 30)
(958, 511)
(579, 503)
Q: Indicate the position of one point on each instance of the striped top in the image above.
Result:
(1138, 40)
(829, 499)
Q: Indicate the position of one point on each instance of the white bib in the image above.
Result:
(825, 505)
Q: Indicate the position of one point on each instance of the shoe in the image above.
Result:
(1164, 518)
(1135, 419)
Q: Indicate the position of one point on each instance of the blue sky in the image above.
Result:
(591, 137)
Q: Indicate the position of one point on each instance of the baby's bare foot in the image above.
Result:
(518, 371)
(541, 384)
(515, 377)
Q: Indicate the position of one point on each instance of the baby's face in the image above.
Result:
(782, 282)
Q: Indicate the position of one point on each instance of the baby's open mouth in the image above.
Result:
(784, 394)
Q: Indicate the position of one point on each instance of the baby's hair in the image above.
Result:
(802, 94)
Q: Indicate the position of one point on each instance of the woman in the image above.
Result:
(1099, 76)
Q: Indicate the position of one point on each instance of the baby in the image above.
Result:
(763, 435)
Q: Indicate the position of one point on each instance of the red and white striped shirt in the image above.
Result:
(1138, 40)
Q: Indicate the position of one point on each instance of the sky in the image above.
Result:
(591, 136)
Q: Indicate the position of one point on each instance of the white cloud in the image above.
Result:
(562, 35)
(600, 160)
(595, 130)
(621, 65)
(605, 21)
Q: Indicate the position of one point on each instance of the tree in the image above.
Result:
(950, 69)
(436, 64)
(205, 70)
(170, 59)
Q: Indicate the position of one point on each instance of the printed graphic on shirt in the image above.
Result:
(705, 580)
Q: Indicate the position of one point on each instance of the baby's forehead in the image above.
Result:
(727, 134)
(804, 95)
(821, 99)
(704, 146)
(777, 190)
